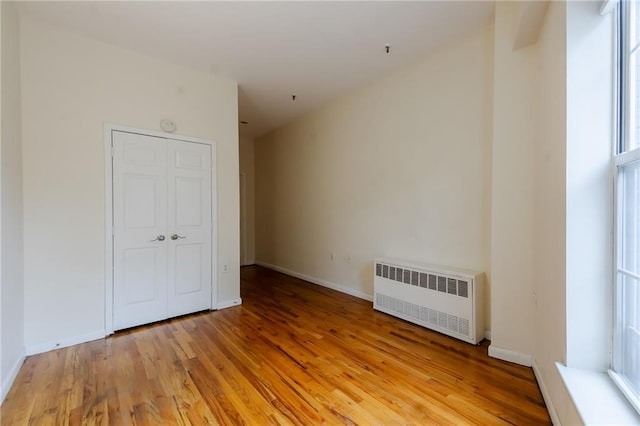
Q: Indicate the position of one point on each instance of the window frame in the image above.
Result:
(622, 157)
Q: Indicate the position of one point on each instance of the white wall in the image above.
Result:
(11, 240)
(590, 143)
(399, 168)
(71, 86)
(247, 166)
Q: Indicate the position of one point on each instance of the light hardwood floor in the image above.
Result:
(293, 353)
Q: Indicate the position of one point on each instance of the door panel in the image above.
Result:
(187, 159)
(188, 262)
(188, 202)
(139, 275)
(140, 215)
(189, 181)
(140, 199)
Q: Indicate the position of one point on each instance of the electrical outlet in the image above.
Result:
(225, 268)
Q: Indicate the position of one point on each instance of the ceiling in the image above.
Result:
(315, 50)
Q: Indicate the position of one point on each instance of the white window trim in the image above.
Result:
(621, 160)
(626, 158)
(625, 389)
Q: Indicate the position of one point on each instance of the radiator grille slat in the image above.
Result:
(433, 282)
(463, 326)
(463, 288)
(443, 317)
(424, 280)
(414, 277)
(452, 287)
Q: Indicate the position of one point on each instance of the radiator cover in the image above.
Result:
(445, 299)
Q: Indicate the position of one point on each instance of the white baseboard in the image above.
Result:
(11, 377)
(63, 343)
(545, 394)
(511, 356)
(229, 303)
(318, 281)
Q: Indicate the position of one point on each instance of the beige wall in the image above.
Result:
(529, 209)
(247, 167)
(71, 86)
(11, 266)
(399, 168)
(550, 212)
(514, 134)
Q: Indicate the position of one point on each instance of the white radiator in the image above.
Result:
(444, 299)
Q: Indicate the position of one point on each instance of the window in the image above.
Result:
(626, 359)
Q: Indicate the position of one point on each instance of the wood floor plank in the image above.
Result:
(293, 354)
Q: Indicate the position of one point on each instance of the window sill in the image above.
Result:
(597, 398)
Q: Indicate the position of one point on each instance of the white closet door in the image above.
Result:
(140, 226)
(189, 218)
(162, 228)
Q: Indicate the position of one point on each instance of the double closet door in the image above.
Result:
(162, 224)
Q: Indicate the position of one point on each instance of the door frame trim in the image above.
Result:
(243, 219)
(109, 128)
